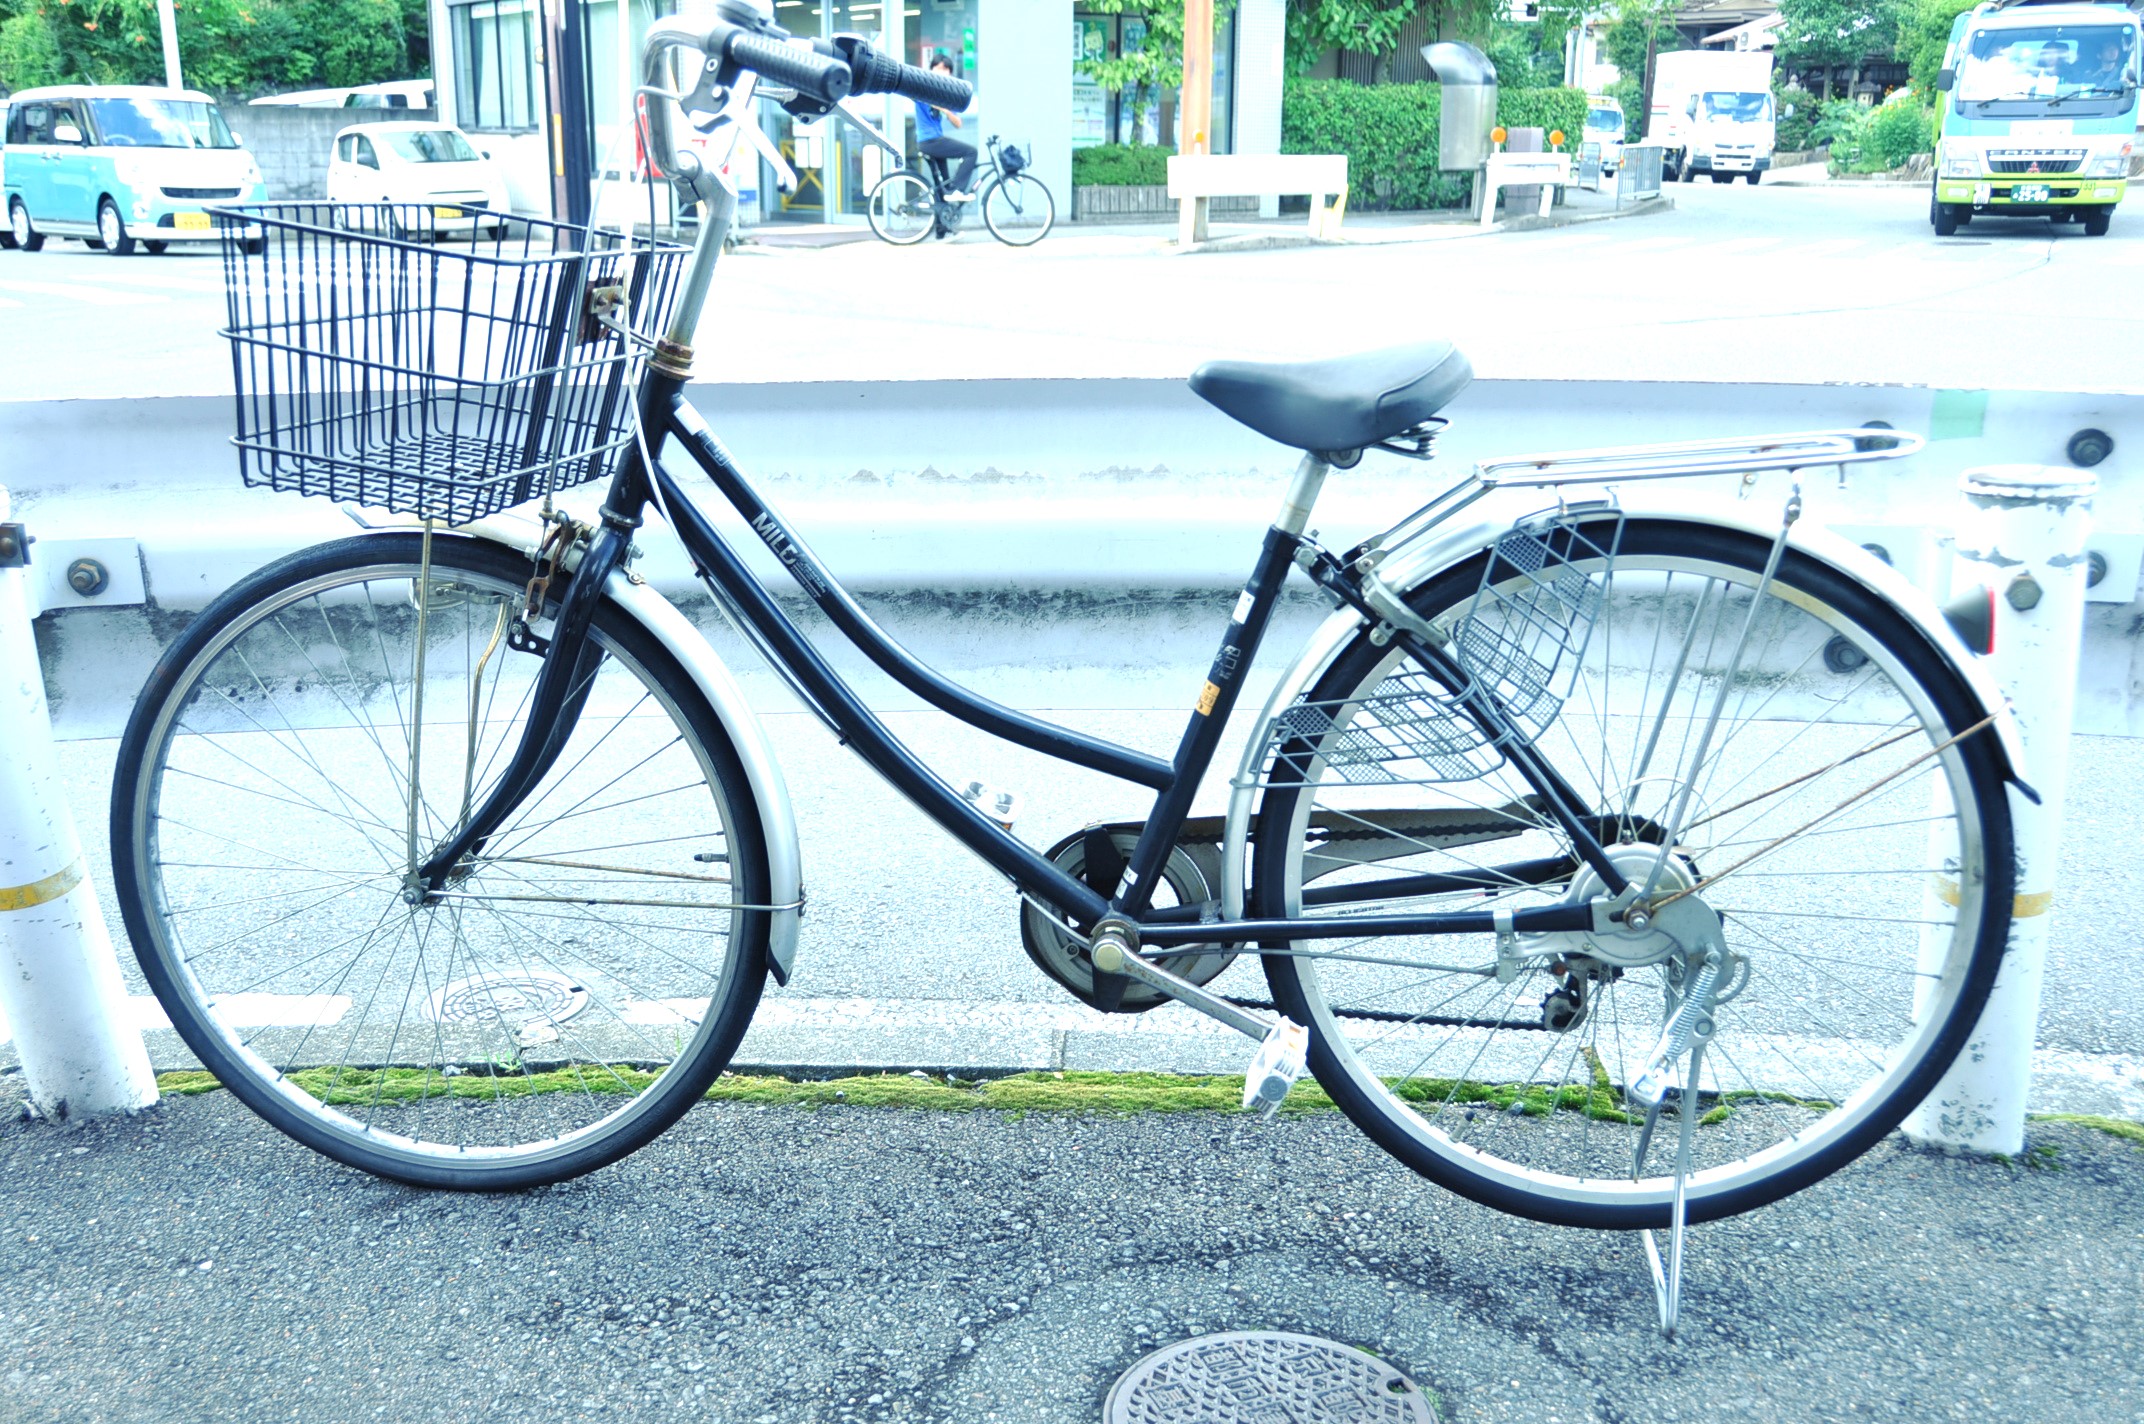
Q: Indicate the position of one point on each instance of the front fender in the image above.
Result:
(1485, 522)
(770, 793)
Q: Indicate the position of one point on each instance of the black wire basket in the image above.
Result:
(434, 360)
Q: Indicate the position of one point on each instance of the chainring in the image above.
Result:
(1191, 876)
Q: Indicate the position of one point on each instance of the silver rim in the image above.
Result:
(535, 1011)
(901, 210)
(109, 229)
(1018, 210)
(1843, 996)
(18, 218)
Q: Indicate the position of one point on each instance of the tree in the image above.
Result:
(1823, 34)
(1923, 35)
(1373, 27)
(235, 47)
(1642, 30)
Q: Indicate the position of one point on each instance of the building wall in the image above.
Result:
(1023, 70)
(292, 144)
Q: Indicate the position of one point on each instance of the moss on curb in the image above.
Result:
(2130, 1132)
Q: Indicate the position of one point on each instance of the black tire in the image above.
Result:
(536, 1024)
(1685, 173)
(1942, 216)
(1754, 177)
(112, 229)
(1456, 1068)
(2097, 221)
(26, 235)
(900, 208)
(1719, 177)
(1018, 210)
(155, 248)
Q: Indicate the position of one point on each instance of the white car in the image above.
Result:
(450, 184)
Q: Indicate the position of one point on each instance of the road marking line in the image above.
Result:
(94, 296)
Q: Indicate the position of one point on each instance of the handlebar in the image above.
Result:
(741, 40)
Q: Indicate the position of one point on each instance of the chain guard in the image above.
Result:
(1192, 874)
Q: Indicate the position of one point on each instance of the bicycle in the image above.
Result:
(906, 206)
(457, 855)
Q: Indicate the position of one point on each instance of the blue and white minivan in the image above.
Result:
(120, 166)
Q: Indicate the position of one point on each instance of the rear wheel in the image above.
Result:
(901, 210)
(1018, 210)
(550, 1011)
(112, 230)
(1863, 934)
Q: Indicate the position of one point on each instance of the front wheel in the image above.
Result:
(1942, 216)
(1019, 210)
(1755, 177)
(2097, 221)
(1854, 847)
(155, 248)
(564, 999)
(901, 209)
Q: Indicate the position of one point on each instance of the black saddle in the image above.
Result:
(1344, 403)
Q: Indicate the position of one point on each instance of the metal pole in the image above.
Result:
(60, 989)
(2020, 537)
(167, 19)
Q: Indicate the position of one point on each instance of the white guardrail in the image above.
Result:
(1056, 544)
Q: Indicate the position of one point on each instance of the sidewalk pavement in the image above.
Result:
(762, 1265)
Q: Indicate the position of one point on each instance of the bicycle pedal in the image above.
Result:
(1002, 807)
(1275, 1067)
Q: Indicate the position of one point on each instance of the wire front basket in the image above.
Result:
(1521, 640)
(442, 360)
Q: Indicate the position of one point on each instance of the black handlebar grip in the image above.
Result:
(813, 75)
(940, 91)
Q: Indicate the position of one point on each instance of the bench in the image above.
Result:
(1523, 170)
(1195, 177)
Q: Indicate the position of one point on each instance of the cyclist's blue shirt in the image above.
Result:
(929, 123)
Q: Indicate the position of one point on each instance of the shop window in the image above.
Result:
(1139, 115)
(495, 89)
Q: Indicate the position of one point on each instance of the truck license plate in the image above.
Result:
(2031, 193)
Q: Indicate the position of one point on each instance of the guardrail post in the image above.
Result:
(2021, 538)
(60, 989)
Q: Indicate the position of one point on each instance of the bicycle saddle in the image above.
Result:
(1343, 403)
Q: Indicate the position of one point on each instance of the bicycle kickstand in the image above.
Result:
(1667, 1282)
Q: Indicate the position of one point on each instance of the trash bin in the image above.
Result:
(1468, 108)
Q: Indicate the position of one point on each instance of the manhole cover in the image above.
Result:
(520, 999)
(1264, 1377)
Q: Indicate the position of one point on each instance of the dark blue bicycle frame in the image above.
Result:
(555, 704)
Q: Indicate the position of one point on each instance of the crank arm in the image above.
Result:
(1113, 956)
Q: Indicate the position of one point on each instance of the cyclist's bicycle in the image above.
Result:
(456, 853)
(908, 205)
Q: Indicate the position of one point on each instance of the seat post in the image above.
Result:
(1302, 493)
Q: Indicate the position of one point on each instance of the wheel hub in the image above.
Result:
(1631, 942)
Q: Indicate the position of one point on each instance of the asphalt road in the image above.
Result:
(770, 1265)
(1837, 283)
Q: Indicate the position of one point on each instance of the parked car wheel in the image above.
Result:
(2097, 221)
(1754, 175)
(156, 249)
(28, 238)
(112, 231)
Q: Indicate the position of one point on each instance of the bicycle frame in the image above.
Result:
(641, 480)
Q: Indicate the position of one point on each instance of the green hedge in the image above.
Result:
(1120, 165)
(1389, 134)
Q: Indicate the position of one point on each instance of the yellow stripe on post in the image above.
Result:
(41, 892)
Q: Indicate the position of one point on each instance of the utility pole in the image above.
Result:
(1194, 103)
(167, 19)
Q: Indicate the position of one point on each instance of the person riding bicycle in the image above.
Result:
(932, 141)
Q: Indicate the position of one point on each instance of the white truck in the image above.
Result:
(1712, 113)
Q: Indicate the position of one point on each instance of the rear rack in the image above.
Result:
(1804, 450)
